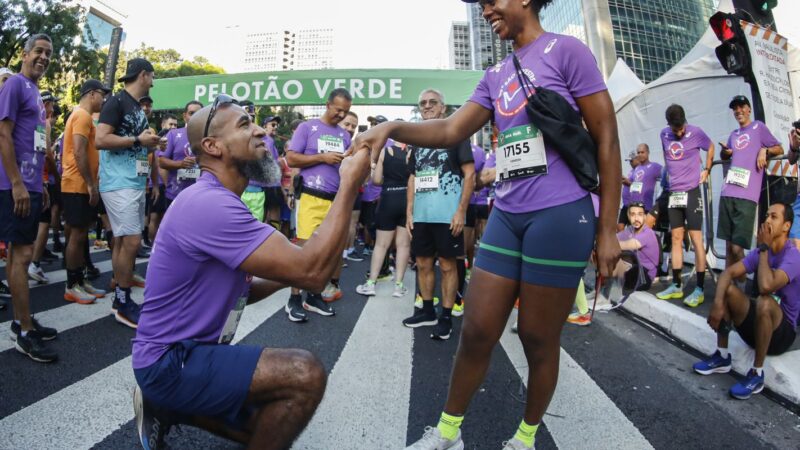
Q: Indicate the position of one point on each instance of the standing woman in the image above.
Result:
(542, 228)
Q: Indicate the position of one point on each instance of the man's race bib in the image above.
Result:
(520, 153)
(331, 144)
(738, 176)
(636, 187)
(142, 168)
(426, 181)
(678, 200)
(232, 323)
(39, 140)
(188, 174)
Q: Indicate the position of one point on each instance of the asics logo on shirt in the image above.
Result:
(676, 150)
(313, 128)
(583, 219)
(742, 142)
(550, 46)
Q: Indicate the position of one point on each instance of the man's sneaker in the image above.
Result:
(672, 292)
(418, 301)
(152, 429)
(421, 319)
(441, 332)
(137, 280)
(367, 251)
(76, 294)
(458, 310)
(91, 272)
(579, 319)
(385, 276)
(516, 444)
(695, 299)
(752, 384)
(37, 274)
(294, 308)
(5, 292)
(128, 313)
(91, 290)
(367, 288)
(433, 440)
(354, 256)
(45, 333)
(33, 346)
(331, 293)
(715, 364)
(399, 290)
(315, 303)
(142, 253)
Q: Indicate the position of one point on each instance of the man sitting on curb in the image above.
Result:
(768, 323)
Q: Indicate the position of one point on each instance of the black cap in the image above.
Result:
(135, 67)
(377, 119)
(272, 119)
(146, 99)
(48, 96)
(93, 85)
(739, 100)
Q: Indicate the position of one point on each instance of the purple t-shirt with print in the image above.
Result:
(682, 157)
(371, 192)
(648, 253)
(648, 176)
(194, 277)
(787, 260)
(557, 62)
(309, 137)
(178, 149)
(479, 156)
(746, 142)
(21, 103)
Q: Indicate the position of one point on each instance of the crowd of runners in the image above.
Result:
(228, 219)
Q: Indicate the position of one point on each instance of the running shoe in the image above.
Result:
(91, 272)
(441, 332)
(399, 290)
(91, 290)
(367, 288)
(315, 303)
(752, 384)
(331, 293)
(715, 364)
(294, 308)
(127, 313)
(142, 253)
(433, 440)
(579, 319)
(367, 251)
(152, 427)
(695, 299)
(77, 295)
(458, 309)
(137, 280)
(672, 292)
(353, 255)
(421, 319)
(385, 276)
(37, 274)
(516, 444)
(45, 333)
(418, 301)
(5, 292)
(33, 346)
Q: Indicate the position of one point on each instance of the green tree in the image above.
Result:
(168, 63)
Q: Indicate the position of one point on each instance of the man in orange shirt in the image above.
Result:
(79, 188)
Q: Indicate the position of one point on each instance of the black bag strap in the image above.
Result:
(528, 88)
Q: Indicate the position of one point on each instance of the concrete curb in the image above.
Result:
(782, 373)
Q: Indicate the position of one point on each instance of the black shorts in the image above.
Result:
(55, 194)
(736, 220)
(472, 215)
(273, 197)
(690, 217)
(16, 229)
(435, 239)
(623, 216)
(659, 211)
(367, 217)
(782, 337)
(77, 210)
(160, 206)
(482, 212)
(357, 204)
(391, 211)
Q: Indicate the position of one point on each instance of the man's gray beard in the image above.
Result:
(263, 170)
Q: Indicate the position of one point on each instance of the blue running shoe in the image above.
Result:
(673, 292)
(752, 384)
(128, 314)
(715, 364)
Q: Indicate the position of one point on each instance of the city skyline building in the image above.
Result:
(486, 48)
(301, 49)
(459, 46)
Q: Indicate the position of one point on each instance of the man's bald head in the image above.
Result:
(195, 129)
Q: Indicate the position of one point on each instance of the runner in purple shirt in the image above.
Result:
(748, 149)
(23, 144)
(682, 144)
(622, 221)
(638, 238)
(767, 324)
(186, 371)
(644, 178)
(273, 194)
(177, 158)
(542, 228)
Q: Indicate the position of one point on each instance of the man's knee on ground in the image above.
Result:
(304, 370)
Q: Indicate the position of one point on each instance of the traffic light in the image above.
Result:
(765, 5)
(758, 12)
(733, 54)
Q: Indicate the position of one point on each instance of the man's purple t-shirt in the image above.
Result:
(643, 183)
(787, 260)
(371, 192)
(21, 103)
(307, 140)
(194, 278)
(648, 253)
(479, 156)
(682, 157)
(178, 149)
(557, 62)
(746, 143)
(626, 190)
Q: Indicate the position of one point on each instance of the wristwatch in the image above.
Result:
(136, 141)
(763, 248)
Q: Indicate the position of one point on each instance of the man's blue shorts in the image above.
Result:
(16, 229)
(207, 380)
(549, 247)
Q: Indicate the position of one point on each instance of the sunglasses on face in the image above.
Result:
(222, 99)
(424, 103)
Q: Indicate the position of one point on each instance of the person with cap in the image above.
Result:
(79, 187)
(622, 221)
(273, 194)
(23, 146)
(5, 74)
(178, 159)
(124, 139)
(376, 120)
(748, 149)
(146, 103)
